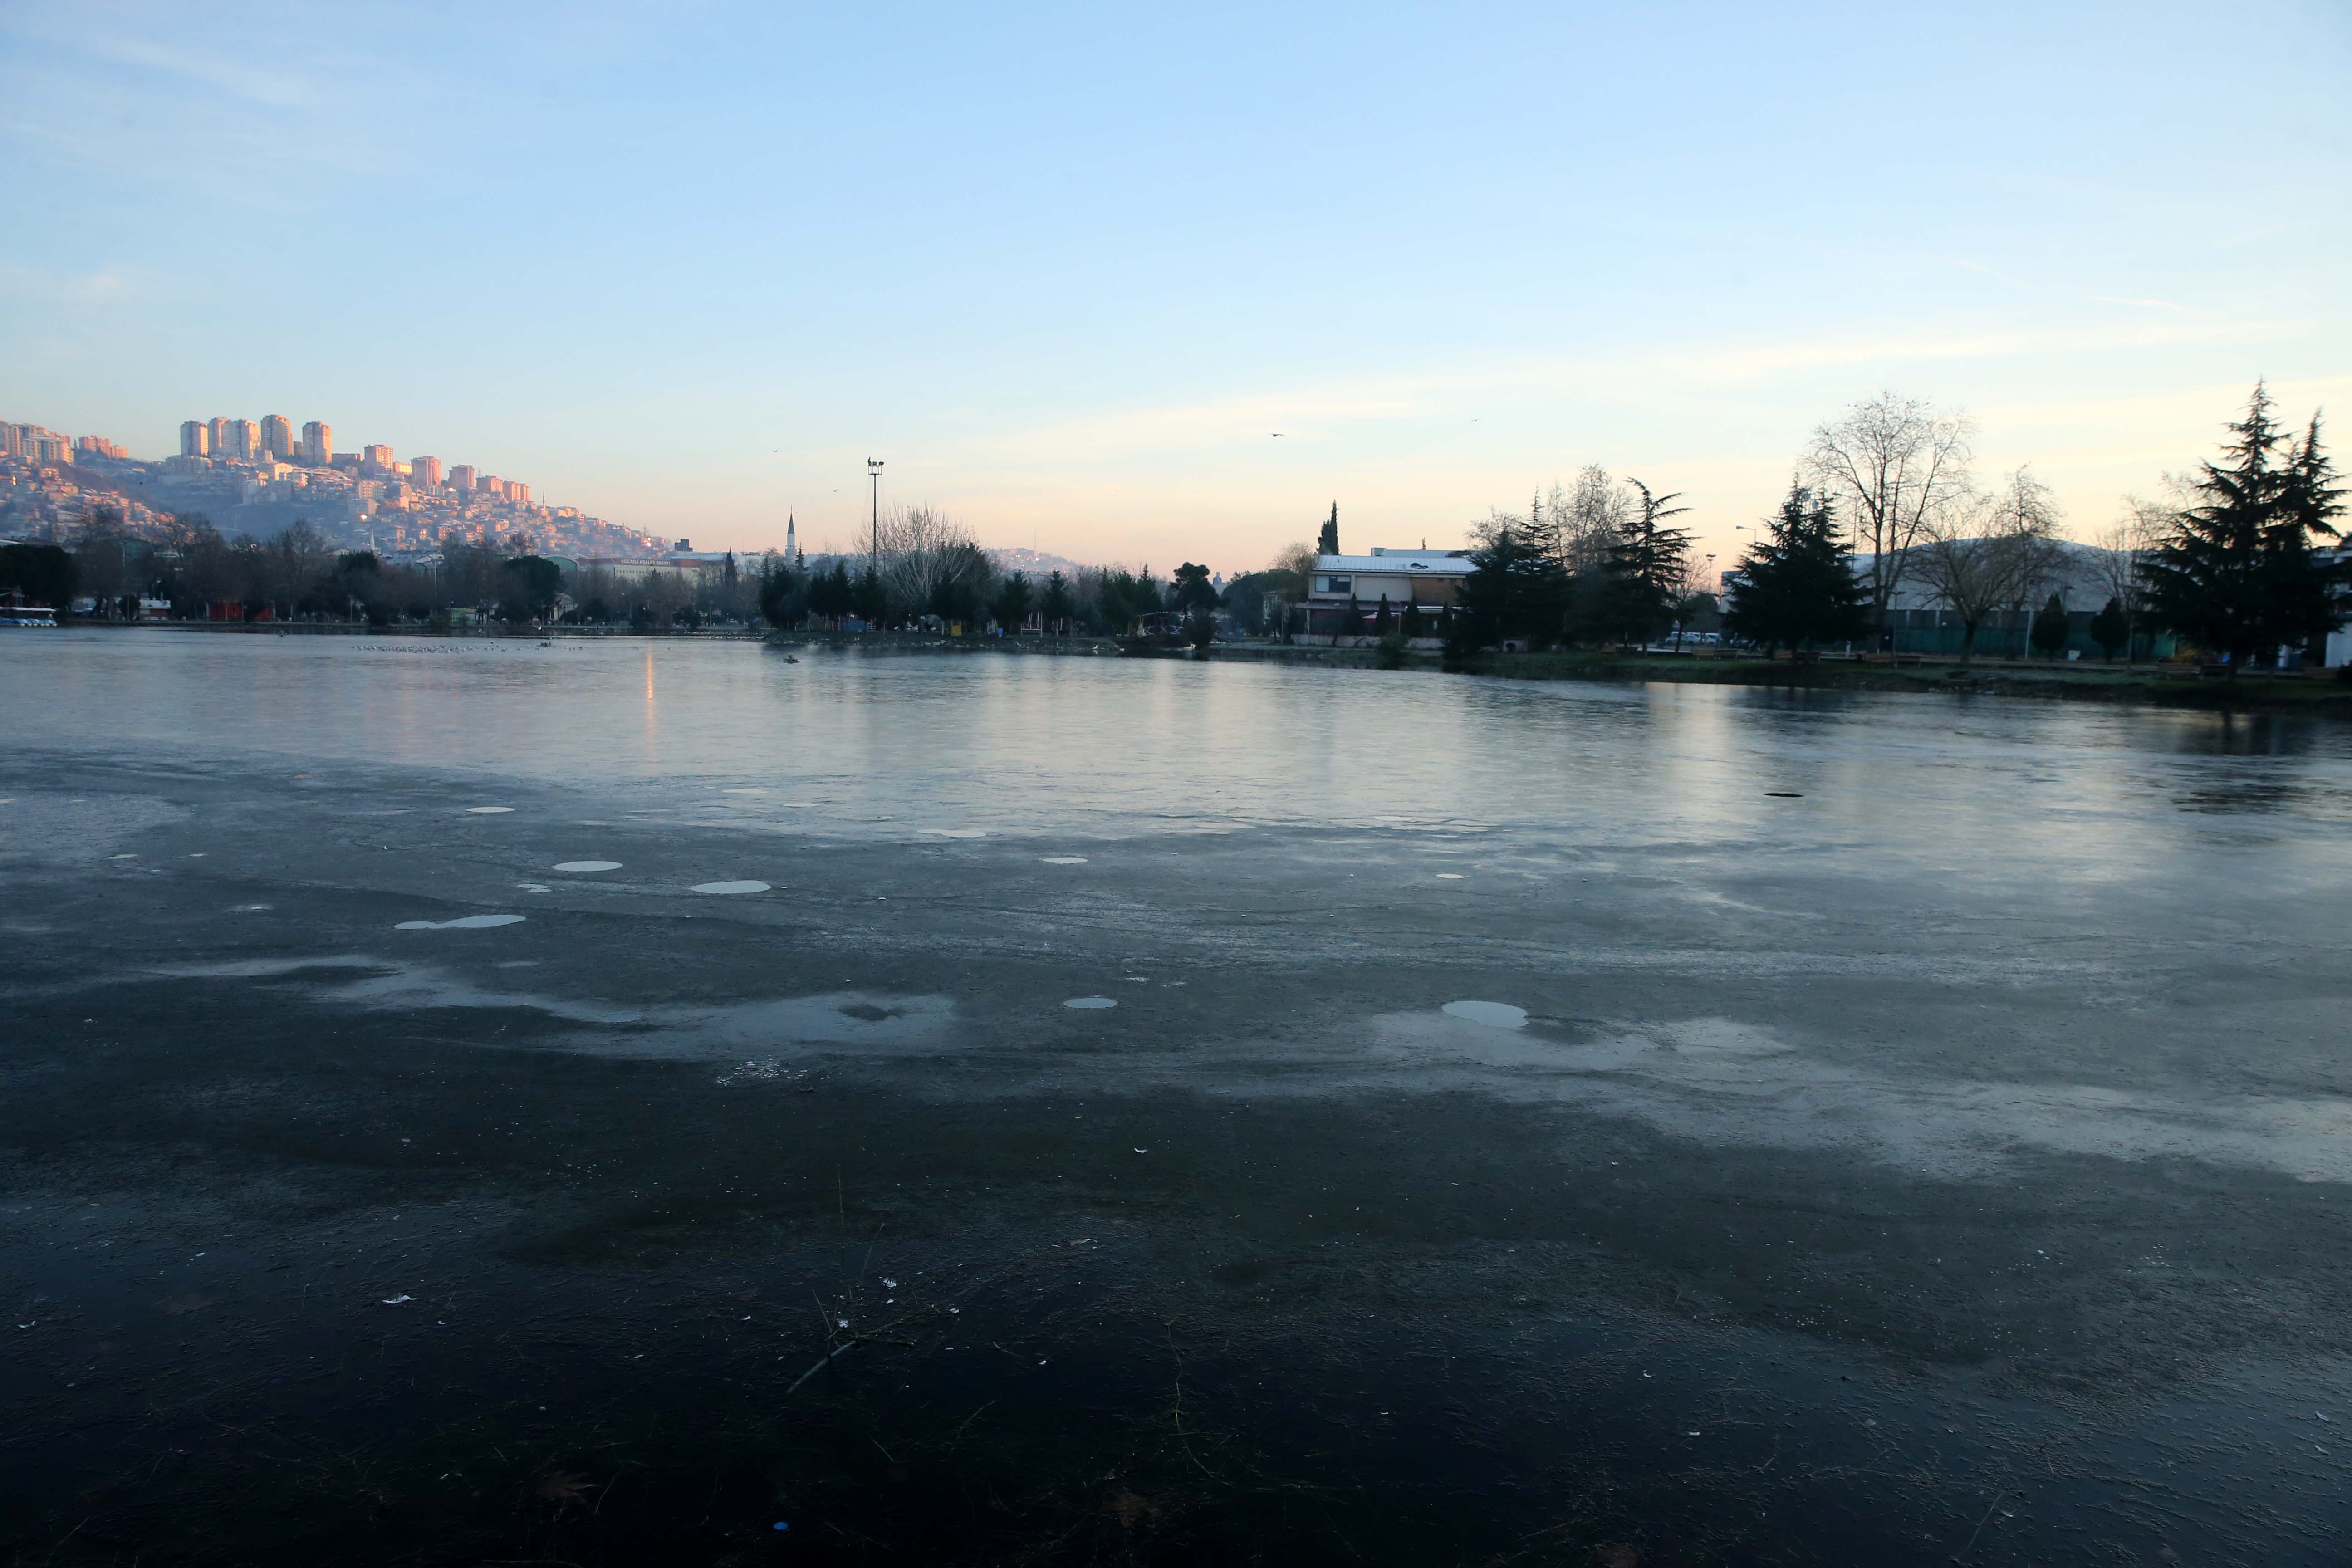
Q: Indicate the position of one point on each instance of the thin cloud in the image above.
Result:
(225, 73)
(1979, 268)
(106, 286)
(1746, 363)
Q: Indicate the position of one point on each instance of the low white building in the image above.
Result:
(1403, 578)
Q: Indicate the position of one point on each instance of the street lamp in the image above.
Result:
(874, 548)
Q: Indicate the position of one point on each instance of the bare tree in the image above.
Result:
(1899, 465)
(929, 561)
(1979, 554)
(2123, 545)
(1590, 517)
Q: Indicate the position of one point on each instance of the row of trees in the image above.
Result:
(928, 571)
(1599, 563)
(297, 575)
(2234, 562)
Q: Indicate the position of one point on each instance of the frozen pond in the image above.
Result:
(1658, 1104)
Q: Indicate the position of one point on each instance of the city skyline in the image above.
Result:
(1125, 291)
(272, 437)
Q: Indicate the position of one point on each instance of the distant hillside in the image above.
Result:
(1035, 562)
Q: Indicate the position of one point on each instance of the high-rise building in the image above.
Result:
(425, 471)
(493, 485)
(216, 432)
(377, 457)
(518, 492)
(195, 438)
(240, 438)
(462, 479)
(278, 435)
(319, 443)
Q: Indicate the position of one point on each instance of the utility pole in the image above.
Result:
(874, 548)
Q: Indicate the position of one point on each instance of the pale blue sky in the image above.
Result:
(1067, 270)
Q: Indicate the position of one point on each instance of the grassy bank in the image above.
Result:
(2162, 686)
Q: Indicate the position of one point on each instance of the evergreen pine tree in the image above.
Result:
(1645, 565)
(1512, 591)
(870, 599)
(2111, 628)
(2238, 576)
(1327, 541)
(1010, 606)
(1796, 588)
(778, 586)
(1057, 606)
(2051, 628)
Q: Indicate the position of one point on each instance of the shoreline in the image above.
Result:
(2140, 685)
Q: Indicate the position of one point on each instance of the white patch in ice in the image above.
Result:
(264, 968)
(1091, 1002)
(487, 810)
(743, 791)
(1449, 876)
(873, 1024)
(576, 866)
(463, 923)
(955, 832)
(730, 887)
(247, 908)
(1500, 1015)
(1065, 860)
(534, 887)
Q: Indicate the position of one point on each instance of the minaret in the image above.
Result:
(792, 544)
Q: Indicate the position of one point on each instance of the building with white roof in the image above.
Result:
(1403, 578)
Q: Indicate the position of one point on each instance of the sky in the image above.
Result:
(1067, 270)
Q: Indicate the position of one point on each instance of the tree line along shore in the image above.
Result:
(2236, 568)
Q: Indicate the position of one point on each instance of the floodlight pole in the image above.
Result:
(874, 547)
